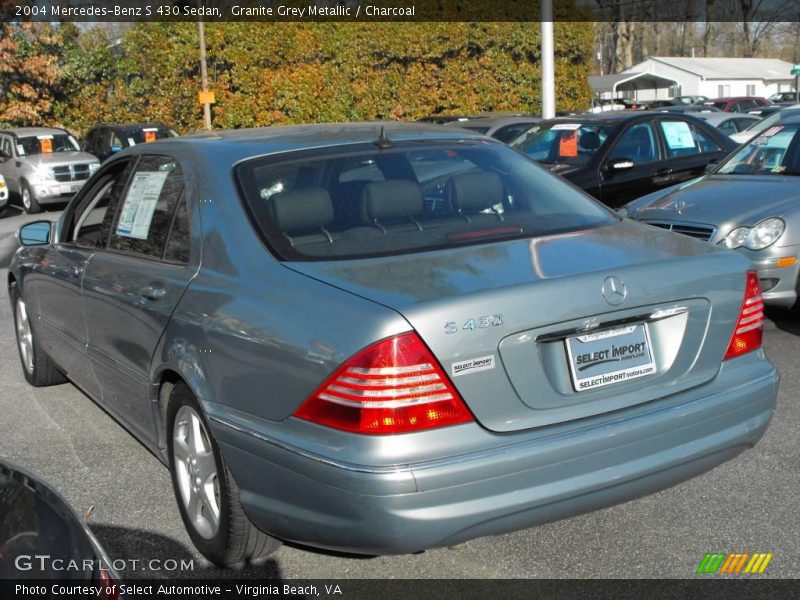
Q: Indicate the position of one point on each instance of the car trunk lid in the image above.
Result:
(497, 316)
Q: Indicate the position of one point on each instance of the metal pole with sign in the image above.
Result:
(205, 96)
(548, 62)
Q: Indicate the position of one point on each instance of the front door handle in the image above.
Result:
(152, 292)
(663, 172)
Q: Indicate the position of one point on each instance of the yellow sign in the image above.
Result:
(206, 97)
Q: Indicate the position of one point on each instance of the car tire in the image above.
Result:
(29, 202)
(38, 368)
(204, 487)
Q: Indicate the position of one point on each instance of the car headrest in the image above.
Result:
(589, 140)
(302, 211)
(391, 200)
(470, 193)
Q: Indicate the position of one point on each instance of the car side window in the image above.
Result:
(685, 139)
(728, 127)
(510, 132)
(145, 215)
(638, 143)
(177, 249)
(90, 222)
(7, 147)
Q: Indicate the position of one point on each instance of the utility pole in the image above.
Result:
(548, 62)
(204, 94)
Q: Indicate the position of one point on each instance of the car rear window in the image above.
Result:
(413, 197)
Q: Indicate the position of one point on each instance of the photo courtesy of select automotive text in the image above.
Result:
(399, 299)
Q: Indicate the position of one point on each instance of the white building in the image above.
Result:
(666, 77)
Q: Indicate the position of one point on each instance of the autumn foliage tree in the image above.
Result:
(29, 72)
(276, 73)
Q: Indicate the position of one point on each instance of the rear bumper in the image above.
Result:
(529, 479)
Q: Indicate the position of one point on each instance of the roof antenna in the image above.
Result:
(384, 142)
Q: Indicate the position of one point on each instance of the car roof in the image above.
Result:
(239, 144)
(26, 131)
(492, 122)
(721, 117)
(131, 125)
(610, 117)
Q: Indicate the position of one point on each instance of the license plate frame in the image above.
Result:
(594, 358)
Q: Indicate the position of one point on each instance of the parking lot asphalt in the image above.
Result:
(751, 504)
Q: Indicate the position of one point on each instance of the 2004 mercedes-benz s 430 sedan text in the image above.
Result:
(382, 339)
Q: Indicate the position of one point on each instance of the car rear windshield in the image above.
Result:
(412, 197)
(46, 143)
(775, 151)
(563, 143)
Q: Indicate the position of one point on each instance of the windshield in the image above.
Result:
(414, 197)
(769, 121)
(563, 143)
(140, 135)
(46, 144)
(774, 152)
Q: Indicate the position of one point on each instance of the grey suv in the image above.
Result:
(43, 165)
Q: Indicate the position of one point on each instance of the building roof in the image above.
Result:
(628, 80)
(730, 68)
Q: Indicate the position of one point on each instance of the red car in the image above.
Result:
(737, 104)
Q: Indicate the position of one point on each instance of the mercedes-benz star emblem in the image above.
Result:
(614, 290)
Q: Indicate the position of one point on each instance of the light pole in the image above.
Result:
(548, 62)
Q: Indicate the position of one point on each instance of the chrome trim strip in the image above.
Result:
(657, 315)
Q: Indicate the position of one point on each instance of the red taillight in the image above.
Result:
(109, 590)
(750, 325)
(394, 386)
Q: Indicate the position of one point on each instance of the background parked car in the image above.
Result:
(43, 165)
(455, 394)
(43, 538)
(783, 98)
(749, 203)
(504, 129)
(3, 195)
(689, 100)
(740, 104)
(106, 140)
(728, 123)
(617, 157)
(782, 114)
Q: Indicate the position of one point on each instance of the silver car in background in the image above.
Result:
(750, 203)
(43, 165)
(385, 338)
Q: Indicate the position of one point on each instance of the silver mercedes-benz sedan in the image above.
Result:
(384, 338)
(750, 203)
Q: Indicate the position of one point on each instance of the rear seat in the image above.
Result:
(303, 215)
(470, 194)
(392, 206)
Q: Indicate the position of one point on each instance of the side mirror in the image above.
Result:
(36, 233)
(619, 164)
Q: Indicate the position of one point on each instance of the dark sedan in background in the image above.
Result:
(750, 203)
(504, 129)
(620, 156)
(106, 140)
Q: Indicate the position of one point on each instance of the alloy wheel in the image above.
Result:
(24, 336)
(196, 472)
